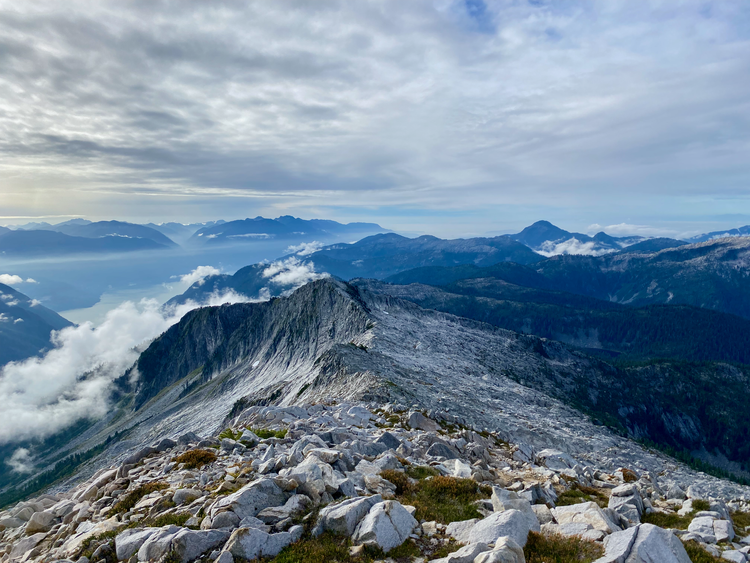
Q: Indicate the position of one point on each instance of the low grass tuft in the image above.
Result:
(629, 476)
(266, 433)
(741, 523)
(132, 498)
(89, 544)
(230, 434)
(326, 548)
(443, 499)
(421, 472)
(560, 549)
(668, 520)
(699, 555)
(580, 493)
(700, 504)
(195, 459)
(167, 520)
(446, 549)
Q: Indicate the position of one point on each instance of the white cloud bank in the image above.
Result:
(199, 275)
(571, 246)
(41, 396)
(305, 248)
(293, 272)
(13, 279)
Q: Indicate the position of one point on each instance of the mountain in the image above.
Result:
(25, 325)
(180, 232)
(654, 245)
(376, 256)
(711, 275)
(738, 232)
(332, 339)
(550, 240)
(285, 227)
(102, 229)
(677, 332)
(4, 230)
(51, 243)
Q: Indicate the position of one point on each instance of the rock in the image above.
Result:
(314, 477)
(389, 440)
(438, 449)
(543, 513)
(418, 421)
(251, 543)
(130, 541)
(26, 544)
(626, 501)
(675, 492)
(296, 505)
(587, 513)
(189, 545)
(524, 453)
(164, 445)
(158, 543)
(734, 556)
(458, 468)
(554, 459)
(723, 530)
(10, 522)
(704, 527)
(188, 438)
(506, 551)
(466, 554)
(387, 525)
(226, 519)
(249, 438)
(511, 523)
(251, 498)
(224, 557)
(182, 496)
(40, 522)
(644, 543)
(343, 518)
(519, 504)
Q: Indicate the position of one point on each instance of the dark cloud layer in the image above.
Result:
(611, 111)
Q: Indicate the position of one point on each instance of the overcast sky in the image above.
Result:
(442, 116)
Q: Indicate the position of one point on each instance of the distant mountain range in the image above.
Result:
(25, 325)
(285, 227)
(739, 232)
(52, 243)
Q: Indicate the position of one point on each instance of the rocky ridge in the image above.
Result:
(279, 478)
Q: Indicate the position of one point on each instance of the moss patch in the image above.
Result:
(265, 433)
(580, 493)
(741, 522)
(668, 520)
(560, 549)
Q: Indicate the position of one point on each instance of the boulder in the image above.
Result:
(466, 554)
(387, 525)
(554, 459)
(389, 440)
(182, 496)
(723, 530)
(675, 492)
(418, 421)
(626, 501)
(226, 519)
(734, 556)
(130, 541)
(314, 477)
(251, 499)
(158, 543)
(644, 543)
(511, 523)
(296, 505)
(343, 518)
(251, 543)
(189, 545)
(40, 522)
(519, 504)
(438, 449)
(506, 551)
(587, 513)
(704, 527)
(543, 513)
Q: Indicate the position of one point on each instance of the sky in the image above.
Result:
(450, 117)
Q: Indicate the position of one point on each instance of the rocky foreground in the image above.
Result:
(378, 482)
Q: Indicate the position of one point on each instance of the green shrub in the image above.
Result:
(421, 471)
(230, 434)
(446, 549)
(629, 476)
(560, 549)
(741, 522)
(326, 548)
(443, 499)
(132, 498)
(195, 459)
(168, 520)
(89, 544)
(699, 555)
(668, 520)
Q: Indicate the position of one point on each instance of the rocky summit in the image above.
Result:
(346, 424)
(369, 482)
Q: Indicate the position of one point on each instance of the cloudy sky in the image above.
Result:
(453, 117)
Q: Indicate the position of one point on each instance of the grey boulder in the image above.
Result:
(387, 525)
(644, 543)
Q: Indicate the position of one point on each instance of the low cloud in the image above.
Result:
(4, 318)
(305, 248)
(571, 246)
(11, 279)
(292, 272)
(199, 275)
(21, 462)
(42, 396)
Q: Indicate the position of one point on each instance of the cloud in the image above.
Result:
(17, 321)
(199, 275)
(365, 105)
(10, 279)
(305, 248)
(292, 272)
(571, 246)
(34, 303)
(21, 461)
(42, 396)
(4, 318)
